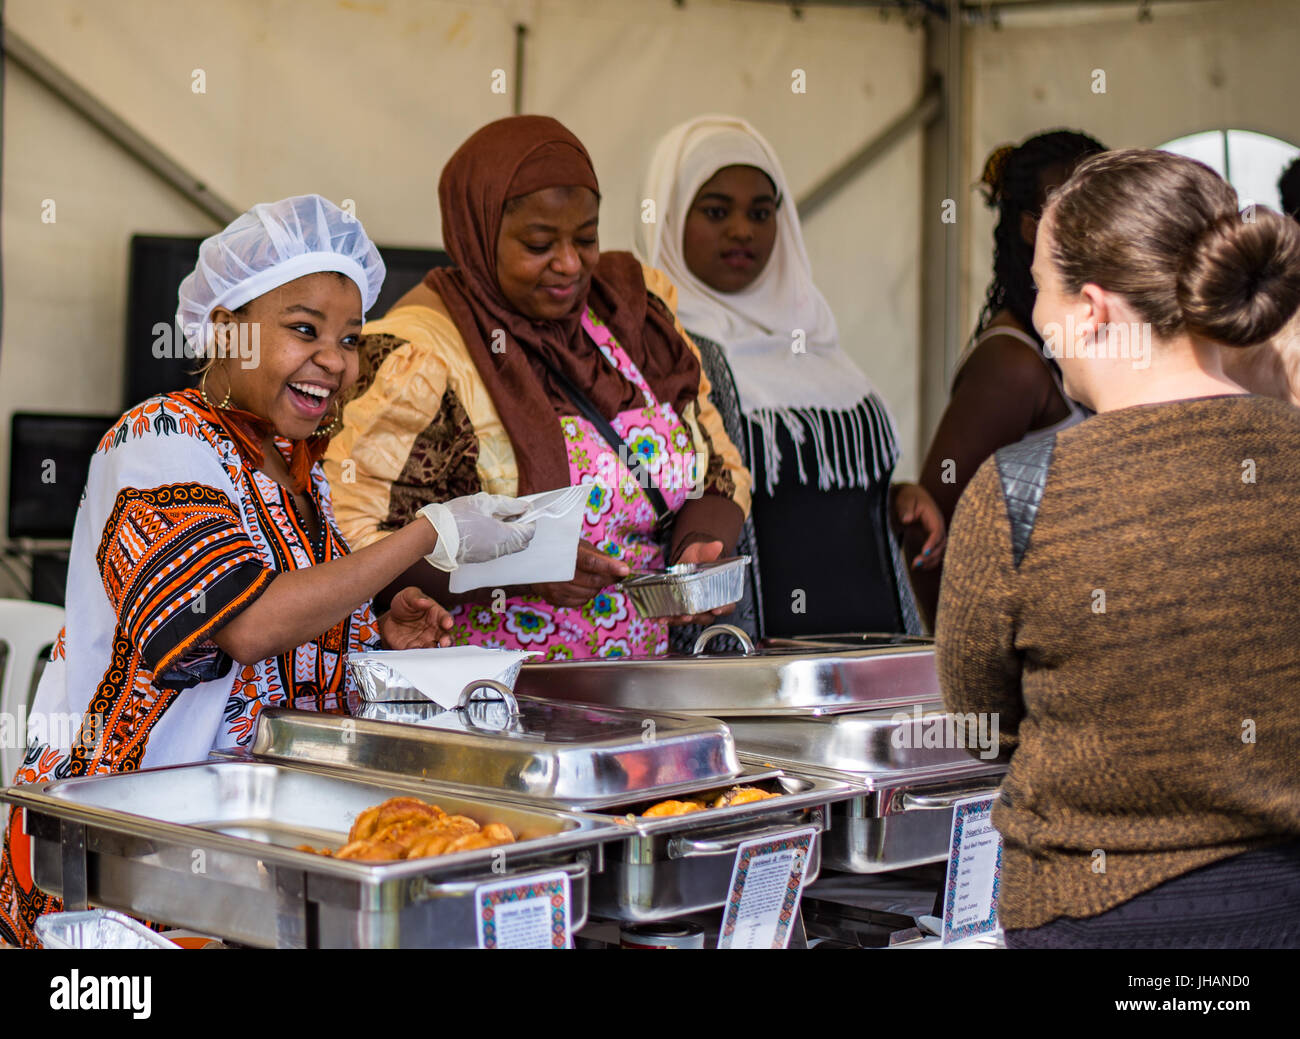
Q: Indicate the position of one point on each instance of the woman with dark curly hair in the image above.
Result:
(1004, 388)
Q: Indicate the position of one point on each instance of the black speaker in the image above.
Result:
(158, 265)
(155, 362)
(49, 457)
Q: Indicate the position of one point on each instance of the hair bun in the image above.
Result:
(1240, 282)
(994, 166)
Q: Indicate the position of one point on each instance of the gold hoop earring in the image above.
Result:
(333, 427)
(203, 392)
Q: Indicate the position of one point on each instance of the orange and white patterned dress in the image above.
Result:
(176, 534)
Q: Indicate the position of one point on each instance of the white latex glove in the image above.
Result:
(472, 530)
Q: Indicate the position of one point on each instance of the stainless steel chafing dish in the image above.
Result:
(785, 676)
(212, 847)
(561, 755)
(903, 817)
(855, 708)
(605, 765)
(673, 865)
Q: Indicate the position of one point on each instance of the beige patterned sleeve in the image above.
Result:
(399, 399)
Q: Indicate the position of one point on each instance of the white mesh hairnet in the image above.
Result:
(270, 245)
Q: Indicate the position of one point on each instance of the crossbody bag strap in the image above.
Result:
(605, 428)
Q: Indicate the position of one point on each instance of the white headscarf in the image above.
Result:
(757, 326)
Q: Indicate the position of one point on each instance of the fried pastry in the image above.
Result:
(408, 828)
(482, 839)
(742, 795)
(405, 833)
(739, 795)
(457, 825)
(672, 808)
(430, 845)
(499, 833)
(399, 809)
(364, 825)
(371, 851)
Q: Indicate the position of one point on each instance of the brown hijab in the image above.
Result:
(503, 160)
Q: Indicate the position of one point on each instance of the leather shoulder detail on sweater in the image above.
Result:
(1022, 470)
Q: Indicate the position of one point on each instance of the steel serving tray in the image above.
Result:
(672, 865)
(909, 764)
(852, 707)
(869, 743)
(519, 747)
(650, 869)
(903, 823)
(783, 677)
(212, 847)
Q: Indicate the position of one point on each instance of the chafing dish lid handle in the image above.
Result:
(501, 693)
(710, 633)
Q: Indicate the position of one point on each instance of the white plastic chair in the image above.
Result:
(27, 629)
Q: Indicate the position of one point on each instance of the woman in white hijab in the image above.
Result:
(822, 445)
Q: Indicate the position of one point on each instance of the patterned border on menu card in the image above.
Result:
(554, 888)
(960, 814)
(798, 842)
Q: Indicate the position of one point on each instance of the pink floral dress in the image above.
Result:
(619, 521)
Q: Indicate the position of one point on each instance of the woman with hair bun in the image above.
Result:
(1111, 592)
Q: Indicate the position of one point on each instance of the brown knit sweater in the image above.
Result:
(1164, 732)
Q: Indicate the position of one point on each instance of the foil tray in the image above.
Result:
(687, 588)
(97, 929)
(379, 681)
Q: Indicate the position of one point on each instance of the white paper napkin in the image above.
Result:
(552, 555)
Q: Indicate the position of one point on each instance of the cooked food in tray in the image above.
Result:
(408, 828)
(741, 795)
(737, 795)
(672, 808)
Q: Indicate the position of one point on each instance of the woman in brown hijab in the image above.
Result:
(473, 381)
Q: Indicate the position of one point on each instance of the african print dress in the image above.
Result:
(175, 535)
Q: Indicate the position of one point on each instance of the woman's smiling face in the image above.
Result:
(308, 332)
(547, 249)
(730, 229)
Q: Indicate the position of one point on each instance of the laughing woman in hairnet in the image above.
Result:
(207, 579)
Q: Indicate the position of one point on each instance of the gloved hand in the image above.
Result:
(472, 530)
